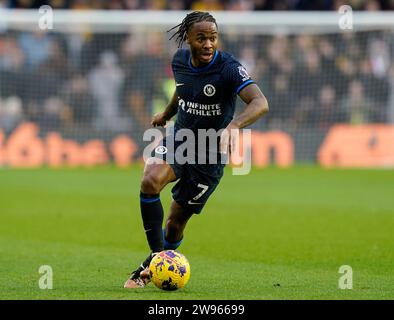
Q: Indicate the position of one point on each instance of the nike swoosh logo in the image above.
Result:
(179, 84)
(148, 230)
(190, 202)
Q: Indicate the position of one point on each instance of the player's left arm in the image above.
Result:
(256, 107)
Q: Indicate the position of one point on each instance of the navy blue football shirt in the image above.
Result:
(207, 95)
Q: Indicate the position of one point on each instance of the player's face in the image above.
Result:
(203, 40)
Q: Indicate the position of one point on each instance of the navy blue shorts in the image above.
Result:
(196, 182)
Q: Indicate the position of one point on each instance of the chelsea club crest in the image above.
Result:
(209, 90)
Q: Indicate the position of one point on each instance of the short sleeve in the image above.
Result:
(236, 76)
(175, 60)
(179, 59)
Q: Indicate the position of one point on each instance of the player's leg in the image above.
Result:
(190, 195)
(157, 174)
(175, 225)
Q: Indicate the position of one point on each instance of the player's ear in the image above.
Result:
(187, 39)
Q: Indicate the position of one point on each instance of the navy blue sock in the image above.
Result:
(152, 218)
(170, 245)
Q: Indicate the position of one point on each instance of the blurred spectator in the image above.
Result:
(327, 111)
(281, 5)
(132, 4)
(372, 5)
(338, 3)
(240, 5)
(155, 4)
(52, 114)
(282, 103)
(379, 54)
(11, 113)
(23, 4)
(35, 46)
(114, 5)
(59, 4)
(308, 77)
(346, 72)
(260, 4)
(278, 55)
(51, 74)
(303, 44)
(81, 5)
(303, 110)
(207, 5)
(327, 54)
(146, 61)
(45, 80)
(55, 113)
(12, 73)
(377, 88)
(105, 81)
(79, 100)
(356, 106)
(248, 58)
(176, 5)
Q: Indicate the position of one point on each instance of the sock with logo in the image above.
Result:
(152, 218)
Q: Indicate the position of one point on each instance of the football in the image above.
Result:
(169, 270)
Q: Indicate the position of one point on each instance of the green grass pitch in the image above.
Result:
(272, 234)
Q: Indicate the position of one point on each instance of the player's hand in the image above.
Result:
(159, 120)
(229, 139)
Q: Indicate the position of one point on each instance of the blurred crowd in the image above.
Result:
(117, 81)
(316, 81)
(202, 4)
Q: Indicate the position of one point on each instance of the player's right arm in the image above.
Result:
(160, 119)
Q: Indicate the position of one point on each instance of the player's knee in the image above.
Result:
(150, 184)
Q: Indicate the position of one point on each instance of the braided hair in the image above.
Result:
(186, 24)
